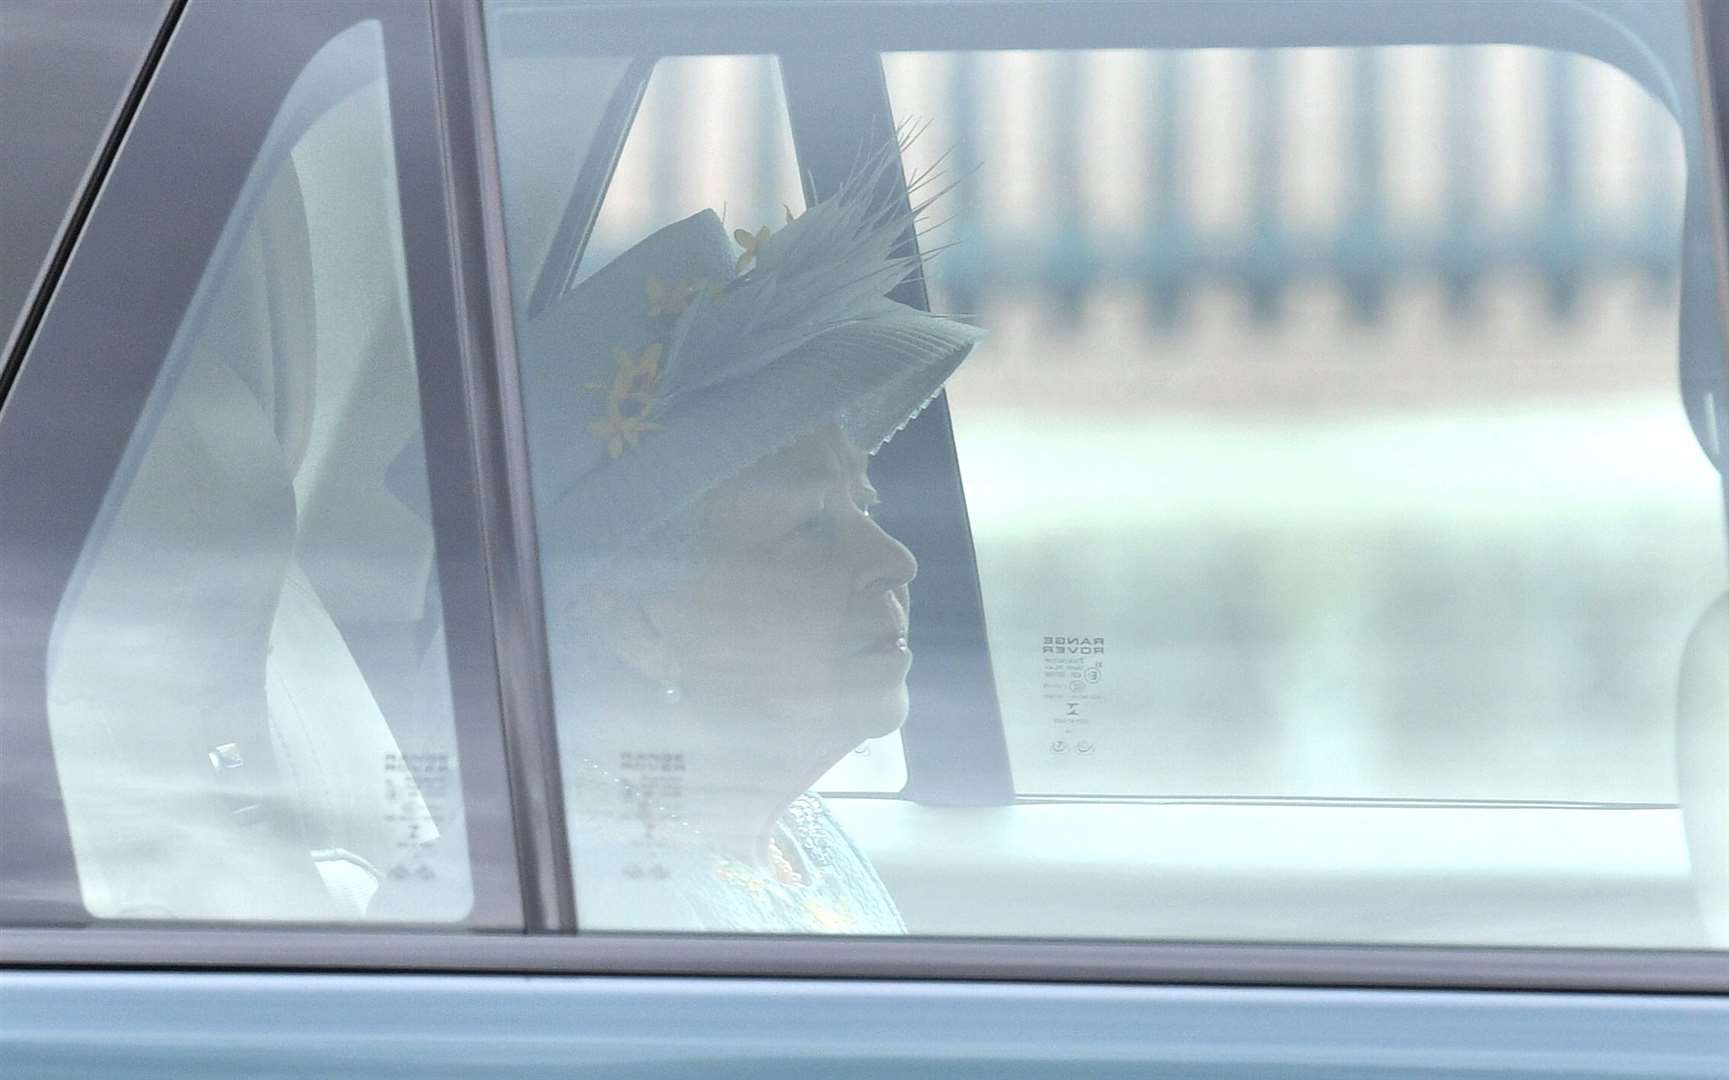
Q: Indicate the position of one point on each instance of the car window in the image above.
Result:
(1344, 444)
(65, 65)
(759, 171)
(247, 687)
(1337, 454)
(1331, 449)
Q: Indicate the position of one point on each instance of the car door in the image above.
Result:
(279, 739)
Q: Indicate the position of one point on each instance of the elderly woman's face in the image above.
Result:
(799, 606)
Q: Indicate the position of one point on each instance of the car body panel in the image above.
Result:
(126, 1025)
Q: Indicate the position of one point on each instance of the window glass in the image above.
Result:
(709, 128)
(734, 152)
(550, 120)
(1341, 540)
(247, 684)
(709, 154)
(64, 67)
(1339, 453)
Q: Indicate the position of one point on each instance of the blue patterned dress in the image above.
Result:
(641, 870)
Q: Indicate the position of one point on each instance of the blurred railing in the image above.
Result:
(1563, 239)
(1568, 230)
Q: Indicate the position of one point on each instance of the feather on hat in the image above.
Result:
(668, 371)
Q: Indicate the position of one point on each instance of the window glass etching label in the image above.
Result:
(1072, 681)
(417, 790)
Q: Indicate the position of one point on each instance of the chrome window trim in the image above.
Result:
(913, 959)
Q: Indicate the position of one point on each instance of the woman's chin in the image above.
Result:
(875, 714)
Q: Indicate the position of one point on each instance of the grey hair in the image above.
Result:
(649, 566)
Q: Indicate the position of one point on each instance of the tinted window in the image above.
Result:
(1341, 452)
(64, 67)
(1331, 487)
(246, 686)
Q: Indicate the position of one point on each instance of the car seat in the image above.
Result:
(221, 755)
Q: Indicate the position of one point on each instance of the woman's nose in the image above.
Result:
(884, 563)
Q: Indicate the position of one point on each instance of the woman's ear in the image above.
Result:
(624, 628)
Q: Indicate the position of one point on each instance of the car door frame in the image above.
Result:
(460, 253)
(102, 343)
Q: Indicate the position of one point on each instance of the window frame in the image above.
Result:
(110, 324)
(825, 134)
(899, 960)
(16, 340)
(481, 305)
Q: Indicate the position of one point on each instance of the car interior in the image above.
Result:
(964, 855)
(289, 420)
(285, 438)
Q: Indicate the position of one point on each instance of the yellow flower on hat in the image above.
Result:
(630, 398)
(753, 246)
(619, 430)
(634, 377)
(664, 299)
(644, 371)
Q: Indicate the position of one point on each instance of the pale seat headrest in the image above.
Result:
(158, 659)
(356, 798)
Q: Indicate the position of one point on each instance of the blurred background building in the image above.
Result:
(1335, 388)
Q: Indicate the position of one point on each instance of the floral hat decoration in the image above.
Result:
(694, 355)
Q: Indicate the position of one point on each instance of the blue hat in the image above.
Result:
(694, 355)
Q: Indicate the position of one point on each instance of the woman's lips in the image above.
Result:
(888, 643)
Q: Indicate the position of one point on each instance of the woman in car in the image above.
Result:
(726, 619)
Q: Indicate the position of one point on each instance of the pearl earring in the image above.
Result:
(671, 693)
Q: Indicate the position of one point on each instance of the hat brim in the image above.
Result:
(870, 376)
